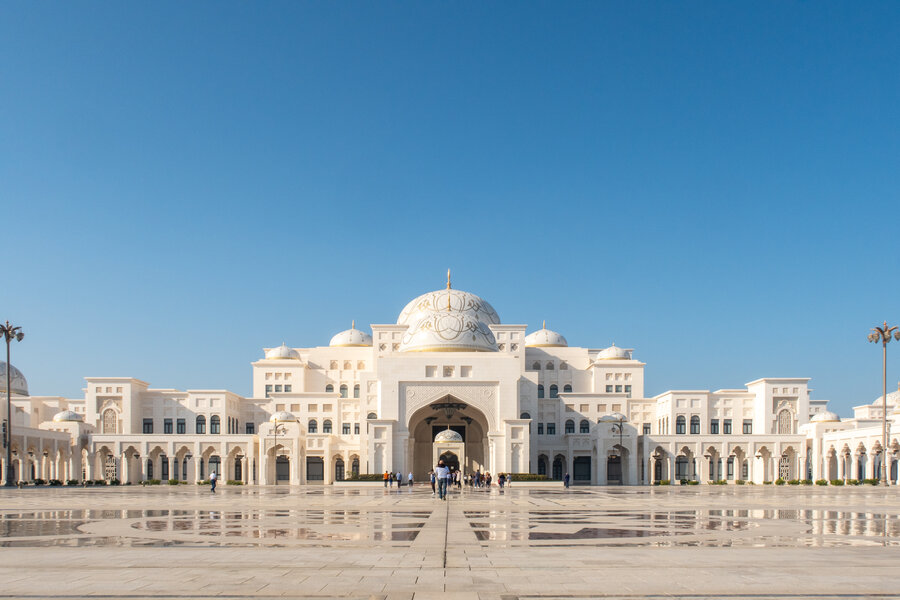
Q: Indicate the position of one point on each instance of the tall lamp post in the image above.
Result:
(884, 334)
(618, 425)
(10, 333)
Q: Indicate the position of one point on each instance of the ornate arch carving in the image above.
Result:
(479, 396)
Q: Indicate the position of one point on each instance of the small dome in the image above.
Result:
(282, 352)
(447, 435)
(351, 337)
(545, 338)
(825, 417)
(282, 415)
(65, 416)
(614, 353)
(18, 382)
(612, 418)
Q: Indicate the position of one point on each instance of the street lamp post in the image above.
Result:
(618, 424)
(10, 333)
(884, 334)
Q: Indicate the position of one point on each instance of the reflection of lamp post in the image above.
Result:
(10, 333)
(882, 334)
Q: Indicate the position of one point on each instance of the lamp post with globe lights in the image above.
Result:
(9, 333)
(884, 334)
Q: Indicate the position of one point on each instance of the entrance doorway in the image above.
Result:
(315, 468)
(282, 469)
(451, 461)
(581, 469)
(614, 470)
(558, 463)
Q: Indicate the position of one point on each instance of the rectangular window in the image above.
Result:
(268, 390)
(250, 428)
(617, 407)
(726, 426)
(287, 387)
(180, 426)
(356, 429)
(540, 429)
(167, 425)
(730, 467)
(744, 470)
(609, 389)
(601, 408)
(570, 408)
(345, 428)
(465, 371)
(448, 371)
(148, 425)
(618, 389)
(583, 408)
(748, 426)
(628, 390)
(646, 428)
(714, 426)
(430, 371)
(278, 388)
(551, 428)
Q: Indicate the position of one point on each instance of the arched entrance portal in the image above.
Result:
(450, 460)
(425, 424)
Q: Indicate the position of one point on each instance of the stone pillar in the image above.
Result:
(245, 469)
(671, 469)
(854, 467)
(173, 473)
(602, 459)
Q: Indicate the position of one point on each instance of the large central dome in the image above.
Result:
(448, 321)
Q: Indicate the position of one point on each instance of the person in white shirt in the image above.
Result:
(409, 480)
(443, 476)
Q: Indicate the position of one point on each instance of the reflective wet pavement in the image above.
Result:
(348, 542)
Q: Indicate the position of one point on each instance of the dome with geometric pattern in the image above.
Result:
(447, 435)
(18, 383)
(64, 416)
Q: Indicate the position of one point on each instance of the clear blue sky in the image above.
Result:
(713, 184)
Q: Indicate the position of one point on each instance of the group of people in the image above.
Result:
(391, 478)
(444, 477)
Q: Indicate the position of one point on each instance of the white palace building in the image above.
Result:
(513, 402)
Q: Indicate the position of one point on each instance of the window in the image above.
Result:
(695, 425)
(431, 371)
(785, 421)
(628, 390)
(525, 415)
(448, 371)
(356, 391)
(714, 427)
(554, 391)
(567, 389)
(748, 426)
(646, 430)
(180, 426)
(268, 389)
(326, 426)
(278, 387)
(549, 365)
(679, 425)
(726, 426)
(465, 371)
(215, 424)
(288, 387)
(540, 391)
(313, 426)
(563, 366)
(329, 389)
(570, 426)
(200, 426)
(584, 427)
(551, 428)
(618, 389)
(730, 468)
(536, 366)
(371, 416)
(148, 425)
(345, 429)
(343, 391)
(356, 429)
(167, 425)
(540, 429)
(250, 428)
(609, 389)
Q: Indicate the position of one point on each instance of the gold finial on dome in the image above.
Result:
(353, 324)
(544, 324)
(448, 279)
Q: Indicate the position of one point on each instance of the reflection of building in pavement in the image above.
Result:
(513, 402)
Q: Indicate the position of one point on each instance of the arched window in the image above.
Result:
(343, 391)
(339, 469)
(554, 391)
(326, 426)
(567, 388)
(785, 421)
(356, 391)
(201, 424)
(524, 415)
(361, 366)
(563, 366)
(695, 425)
(679, 425)
(110, 420)
(329, 389)
(570, 426)
(371, 416)
(540, 391)
(536, 366)
(214, 424)
(354, 466)
(549, 366)
(348, 365)
(584, 427)
(313, 427)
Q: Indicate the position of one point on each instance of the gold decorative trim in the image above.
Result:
(450, 349)
(545, 346)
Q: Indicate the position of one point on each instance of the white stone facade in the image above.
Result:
(521, 403)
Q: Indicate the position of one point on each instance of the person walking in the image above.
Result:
(443, 474)
(409, 480)
(501, 479)
(385, 478)
(433, 478)
(390, 479)
(212, 480)
(399, 480)
(566, 481)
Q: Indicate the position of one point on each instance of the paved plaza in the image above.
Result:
(359, 542)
